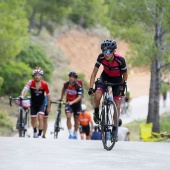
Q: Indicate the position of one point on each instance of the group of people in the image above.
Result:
(114, 71)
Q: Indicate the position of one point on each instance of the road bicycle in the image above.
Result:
(23, 114)
(109, 116)
(57, 124)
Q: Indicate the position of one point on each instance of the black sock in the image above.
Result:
(35, 130)
(96, 110)
(40, 131)
(114, 128)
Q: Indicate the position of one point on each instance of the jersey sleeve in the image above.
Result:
(47, 89)
(28, 85)
(123, 65)
(99, 60)
(79, 90)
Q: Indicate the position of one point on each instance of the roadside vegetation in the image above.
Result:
(134, 126)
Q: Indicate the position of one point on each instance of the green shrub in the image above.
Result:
(1, 82)
(35, 56)
(15, 75)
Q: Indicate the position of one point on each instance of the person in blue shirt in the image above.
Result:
(96, 135)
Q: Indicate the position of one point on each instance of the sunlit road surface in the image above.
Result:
(49, 154)
(62, 153)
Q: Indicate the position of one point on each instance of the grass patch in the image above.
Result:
(6, 124)
(134, 126)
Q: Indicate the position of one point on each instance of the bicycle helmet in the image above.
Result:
(38, 70)
(72, 73)
(83, 107)
(108, 44)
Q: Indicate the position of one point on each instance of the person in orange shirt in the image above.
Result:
(86, 123)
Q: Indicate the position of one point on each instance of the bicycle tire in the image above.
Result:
(57, 126)
(21, 130)
(107, 124)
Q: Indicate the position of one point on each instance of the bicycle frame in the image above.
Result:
(57, 126)
(22, 122)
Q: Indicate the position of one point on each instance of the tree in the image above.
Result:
(43, 12)
(88, 13)
(14, 26)
(15, 76)
(35, 56)
(145, 25)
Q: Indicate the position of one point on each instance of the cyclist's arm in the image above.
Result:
(25, 89)
(23, 93)
(93, 76)
(95, 70)
(76, 100)
(125, 76)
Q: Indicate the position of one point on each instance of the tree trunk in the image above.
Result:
(40, 24)
(154, 94)
(31, 24)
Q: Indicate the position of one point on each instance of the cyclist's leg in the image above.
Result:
(33, 113)
(45, 123)
(68, 112)
(40, 119)
(117, 100)
(76, 110)
(87, 131)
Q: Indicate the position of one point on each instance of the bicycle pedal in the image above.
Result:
(62, 128)
(51, 132)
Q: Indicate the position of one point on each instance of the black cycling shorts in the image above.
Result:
(85, 129)
(75, 108)
(37, 109)
(115, 90)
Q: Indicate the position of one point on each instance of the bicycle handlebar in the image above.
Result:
(58, 102)
(110, 84)
(18, 98)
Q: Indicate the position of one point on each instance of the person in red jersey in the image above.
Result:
(37, 88)
(73, 91)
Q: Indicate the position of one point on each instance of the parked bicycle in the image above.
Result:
(108, 117)
(57, 125)
(23, 115)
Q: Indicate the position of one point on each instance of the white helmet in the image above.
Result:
(38, 70)
(83, 107)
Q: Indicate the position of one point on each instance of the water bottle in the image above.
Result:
(108, 135)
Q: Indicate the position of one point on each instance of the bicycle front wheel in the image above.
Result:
(20, 124)
(109, 125)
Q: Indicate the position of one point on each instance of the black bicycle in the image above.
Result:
(109, 117)
(57, 124)
(23, 116)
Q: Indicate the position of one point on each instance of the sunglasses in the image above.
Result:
(107, 51)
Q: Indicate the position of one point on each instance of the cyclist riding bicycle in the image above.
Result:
(73, 97)
(86, 123)
(114, 71)
(38, 88)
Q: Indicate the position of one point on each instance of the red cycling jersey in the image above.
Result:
(37, 95)
(73, 91)
(114, 69)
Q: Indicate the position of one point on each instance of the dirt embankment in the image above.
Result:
(82, 50)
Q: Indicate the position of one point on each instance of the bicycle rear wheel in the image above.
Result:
(109, 134)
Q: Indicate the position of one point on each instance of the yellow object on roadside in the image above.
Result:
(147, 135)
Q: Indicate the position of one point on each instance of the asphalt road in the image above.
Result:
(47, 154)
(62, 153)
